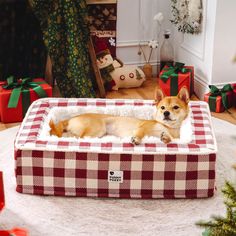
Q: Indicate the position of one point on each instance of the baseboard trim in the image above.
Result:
(141, 63)
(155, 66)
(221, 85)
(131, 43)
(200, 86)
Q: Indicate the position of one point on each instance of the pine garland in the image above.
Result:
(182, 18)
(223, 226)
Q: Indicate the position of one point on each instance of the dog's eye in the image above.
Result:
(176, 107)
(162, 107)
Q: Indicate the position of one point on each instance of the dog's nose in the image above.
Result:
(166, 113)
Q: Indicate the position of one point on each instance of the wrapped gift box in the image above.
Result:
(1, 84)
(220, 99)
(2, 201)
(234, 91)
(14, 232)
(172, 79)
(16, 114)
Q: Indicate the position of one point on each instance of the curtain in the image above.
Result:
(66, 34)
(22, 50)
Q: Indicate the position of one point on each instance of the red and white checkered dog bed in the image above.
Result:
(98, 168)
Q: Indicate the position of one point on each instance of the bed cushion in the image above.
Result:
(111, 166)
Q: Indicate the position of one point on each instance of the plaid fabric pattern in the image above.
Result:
(202, 141)
(81, 169)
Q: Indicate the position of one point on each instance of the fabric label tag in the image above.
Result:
(115, 176)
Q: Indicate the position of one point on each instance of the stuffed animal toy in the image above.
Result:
(114, 73)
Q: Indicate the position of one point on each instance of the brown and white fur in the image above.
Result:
(170, 113)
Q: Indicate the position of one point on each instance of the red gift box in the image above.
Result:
(2, 199)
(181, 79)
(220, 99)
(218, 103)
(1, 84)
(16, 114)
(14, 232)
(234, 91)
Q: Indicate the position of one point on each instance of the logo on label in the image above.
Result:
(115, 176)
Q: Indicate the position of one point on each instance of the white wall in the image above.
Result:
(197, 50)
(135, 24)
(224, 71)
(210, 52)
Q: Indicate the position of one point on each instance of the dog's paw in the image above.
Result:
(165, 138)
(135, 140)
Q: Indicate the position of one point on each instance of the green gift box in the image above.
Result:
(220, 100)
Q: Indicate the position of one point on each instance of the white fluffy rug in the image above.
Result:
(67, 216)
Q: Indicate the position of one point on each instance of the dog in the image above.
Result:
(169, 115)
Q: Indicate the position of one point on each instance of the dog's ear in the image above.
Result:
(183, 94)
(51, 124)
(159, 95)
(52, 127)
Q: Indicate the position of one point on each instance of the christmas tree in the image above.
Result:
(223, 226)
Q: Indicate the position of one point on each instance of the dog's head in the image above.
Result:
(172, 110)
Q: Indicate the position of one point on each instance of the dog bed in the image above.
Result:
(112, 166)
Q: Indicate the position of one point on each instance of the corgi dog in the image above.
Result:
(169, 115)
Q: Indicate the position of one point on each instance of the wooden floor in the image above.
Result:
(144, 92)
(147, 92)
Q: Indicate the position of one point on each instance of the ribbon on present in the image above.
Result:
(23, 86)
(214, 92)
(172, 73)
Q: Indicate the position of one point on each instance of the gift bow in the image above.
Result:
(173, 71)
(221, 92)
(22, 86)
